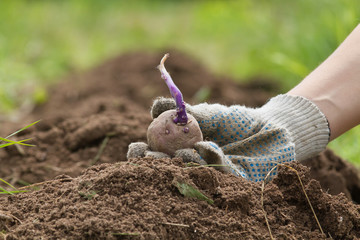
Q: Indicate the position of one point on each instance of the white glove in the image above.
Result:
(250, 142)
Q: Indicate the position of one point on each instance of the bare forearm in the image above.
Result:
(334, 86)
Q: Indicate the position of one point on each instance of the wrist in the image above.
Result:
(306, 124)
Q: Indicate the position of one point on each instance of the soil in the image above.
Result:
(85, 188)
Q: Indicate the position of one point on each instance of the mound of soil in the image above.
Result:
(140, 199)
(87, 188)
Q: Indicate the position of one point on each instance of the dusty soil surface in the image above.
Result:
(92, 192)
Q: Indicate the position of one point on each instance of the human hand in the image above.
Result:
(250, 142)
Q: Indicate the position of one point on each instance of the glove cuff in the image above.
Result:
(307, 125)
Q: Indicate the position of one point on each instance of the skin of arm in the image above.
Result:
(334, 86)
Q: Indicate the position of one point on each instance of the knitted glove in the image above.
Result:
(250, 142)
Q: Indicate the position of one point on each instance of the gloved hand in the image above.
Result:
(250, 142)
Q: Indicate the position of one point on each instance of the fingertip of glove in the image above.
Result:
(136, 150)
(160, 105)
(190, 155)
(156, 155)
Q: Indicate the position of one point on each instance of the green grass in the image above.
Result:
(348, 145)
(5, 142)
(42, 41)
(9, 192)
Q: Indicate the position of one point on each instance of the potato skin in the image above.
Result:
(163, 135)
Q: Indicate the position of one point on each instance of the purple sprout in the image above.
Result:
(167, 133)
(181, 116)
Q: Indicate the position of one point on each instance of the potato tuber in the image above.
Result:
(173, 129)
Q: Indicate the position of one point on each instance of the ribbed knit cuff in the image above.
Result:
(304, 121)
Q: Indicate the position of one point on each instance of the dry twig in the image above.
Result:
(302, 186)
(176, 224)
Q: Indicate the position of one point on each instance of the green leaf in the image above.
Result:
(191, 192)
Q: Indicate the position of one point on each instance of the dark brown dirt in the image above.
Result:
(139, 199)
(335, 175)
(92, 117)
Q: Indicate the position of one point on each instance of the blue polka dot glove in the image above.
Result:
(250, 142)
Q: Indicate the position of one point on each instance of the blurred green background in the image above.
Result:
(42, 41)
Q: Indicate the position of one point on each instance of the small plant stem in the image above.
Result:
(42, 183)
(20, 149)
(189, 165)
(126, 234)
(303, 188)
(263, 209)
(181, 117)
(2, 180)
(11, 142)
(9, 217)
(22, 129)
(101, 150)
(176, 224)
